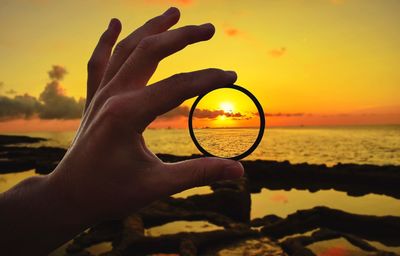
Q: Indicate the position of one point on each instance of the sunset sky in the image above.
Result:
(225, 107)
(309, 62)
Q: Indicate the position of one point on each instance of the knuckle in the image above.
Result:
(149, 95)
(101, 96)
(120, 46)
(147, 43)
(178, 83)
(181, 79)
(111, 108)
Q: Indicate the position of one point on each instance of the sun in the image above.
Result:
(227, 107)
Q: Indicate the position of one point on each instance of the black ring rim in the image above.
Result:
(260, 131)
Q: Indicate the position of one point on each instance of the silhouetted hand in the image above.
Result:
(108, 165)
(108, 172)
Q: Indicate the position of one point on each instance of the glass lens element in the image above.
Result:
(226, 122)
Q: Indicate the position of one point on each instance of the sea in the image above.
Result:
(378, 145)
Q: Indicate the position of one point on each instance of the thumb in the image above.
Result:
(202, 171)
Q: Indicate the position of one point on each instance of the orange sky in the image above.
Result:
(317, 62)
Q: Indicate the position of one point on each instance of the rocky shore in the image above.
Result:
(229, 206)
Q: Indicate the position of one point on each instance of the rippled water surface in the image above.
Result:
(327, 145)
(226, 142)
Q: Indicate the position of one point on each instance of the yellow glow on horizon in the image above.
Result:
(222, 118)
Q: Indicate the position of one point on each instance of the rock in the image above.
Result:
(187, 248)
(356, 180)
(18, 165)
(266, 220)
(384, 229)
(297, 245)
(188, 242)
(232, 201)
(43, 159)
(106, 231)
(14, 139)
(248, 247)
(132, 229)
(161, 212)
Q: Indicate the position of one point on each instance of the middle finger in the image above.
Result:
(125, 47)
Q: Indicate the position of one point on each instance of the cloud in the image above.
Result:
(212, 114)
(57, 72)
(183, 2)
(279, 114)
(170, 2)
(21, 106)
(55, 105)
(183, 111)
(231, 31)
(206, 113)
(11, 91)
(276, 53)
(51, 104)
(237, 114)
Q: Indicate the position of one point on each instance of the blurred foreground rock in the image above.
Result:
(228, 207)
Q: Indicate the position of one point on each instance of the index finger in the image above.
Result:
(167, 94)
(125, 47)
(142, 63)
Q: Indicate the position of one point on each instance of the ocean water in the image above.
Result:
(323, 145)
(226, 142)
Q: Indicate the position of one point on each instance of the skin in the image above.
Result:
(108, 172)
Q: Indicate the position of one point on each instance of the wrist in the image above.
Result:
(68, 197)
(38, 214)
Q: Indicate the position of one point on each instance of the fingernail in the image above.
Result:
(231, 74)
(112, 23)
(170, 11)
(233, 171)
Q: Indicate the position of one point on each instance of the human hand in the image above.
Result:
(108, 171)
